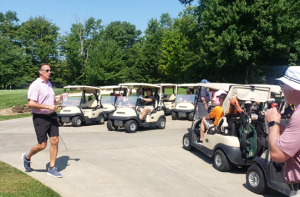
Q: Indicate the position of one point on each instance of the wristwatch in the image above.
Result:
(272, 123)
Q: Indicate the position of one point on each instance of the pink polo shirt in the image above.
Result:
(41, 92)
(289, 143)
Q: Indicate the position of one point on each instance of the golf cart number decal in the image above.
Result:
(118, 123)
(181, 114)
(65, 119)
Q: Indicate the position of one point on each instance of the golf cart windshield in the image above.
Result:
(108, 100)
(71, 101)
(185, 98)
(126, 101)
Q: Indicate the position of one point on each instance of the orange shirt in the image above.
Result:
(217, 113)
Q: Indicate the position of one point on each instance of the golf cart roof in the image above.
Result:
(246, 93)
(81, 87)
(112, 87)
(143, 85)
(168, 85)
(188, 85)
(217, 86)
(274, 88)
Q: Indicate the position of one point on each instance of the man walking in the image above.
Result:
(41, 99)
(283, 141)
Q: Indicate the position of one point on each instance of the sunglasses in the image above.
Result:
(47, 71)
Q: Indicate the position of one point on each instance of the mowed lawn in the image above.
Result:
(14, 182)
(18, 97)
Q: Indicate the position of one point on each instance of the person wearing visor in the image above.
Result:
(283, 141)
(217, 113)
(149, 104)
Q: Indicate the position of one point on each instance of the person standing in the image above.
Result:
(42, 101)
(283, 141)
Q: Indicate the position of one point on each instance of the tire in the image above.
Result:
(221, 162)
(131, 126)
(110, 126)
(161, 123)
(256, 180)
(76, 121)
(187, 143)
(60, 123)
(101, 119)
(191, 116)
(174, 116)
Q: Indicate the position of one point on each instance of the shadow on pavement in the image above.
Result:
(270, 193)
(209, 160)
(61, 164)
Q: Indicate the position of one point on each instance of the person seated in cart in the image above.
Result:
(149, 104)
(216, 113)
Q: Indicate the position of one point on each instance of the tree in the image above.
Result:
(105, 64)
(174, 57)
(76, 47)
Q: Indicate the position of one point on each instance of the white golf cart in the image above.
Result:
(127, 115)
(184, 103)
(108, 101)
(167, 101)
(234, 141)
(85, 106)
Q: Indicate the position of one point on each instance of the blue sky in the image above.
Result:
(137, 12)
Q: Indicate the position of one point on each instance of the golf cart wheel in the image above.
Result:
(187, 143)
(131, 126)
(101, 119)
(256, 181)
(60, 123)
(221, 162)
(174, 116)
(76, 121)
(110, 126)
(161, 123)
(191, 116)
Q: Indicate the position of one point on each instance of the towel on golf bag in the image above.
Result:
(248, 140)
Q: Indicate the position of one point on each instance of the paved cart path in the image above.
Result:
(98, 162)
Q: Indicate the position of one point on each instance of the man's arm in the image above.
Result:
(147, 99)
(274, 133)
(36, 105)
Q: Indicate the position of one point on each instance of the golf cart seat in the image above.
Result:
(89, 104)
(170, 97)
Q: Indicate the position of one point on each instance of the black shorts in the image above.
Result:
(45, 124)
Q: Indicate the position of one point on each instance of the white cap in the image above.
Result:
(292, 77)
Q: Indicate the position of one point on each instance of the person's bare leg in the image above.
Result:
(144, 113)
(37, 148)
(202, 129)
(53, 150)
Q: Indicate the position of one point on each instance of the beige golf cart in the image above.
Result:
(234, 141)
(126, 116)
(167, 96)
(109, 95)
(84, 106)
(185, 103)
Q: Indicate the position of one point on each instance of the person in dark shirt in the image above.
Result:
(204, 95)
(149, 104)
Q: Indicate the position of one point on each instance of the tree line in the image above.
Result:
(236, 41)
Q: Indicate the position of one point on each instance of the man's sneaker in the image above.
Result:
(199, 142)
(54, 172)
(26, 164)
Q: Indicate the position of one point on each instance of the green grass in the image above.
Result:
(15, 116)
(18, 97)
(179, 90)
(14, 182)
